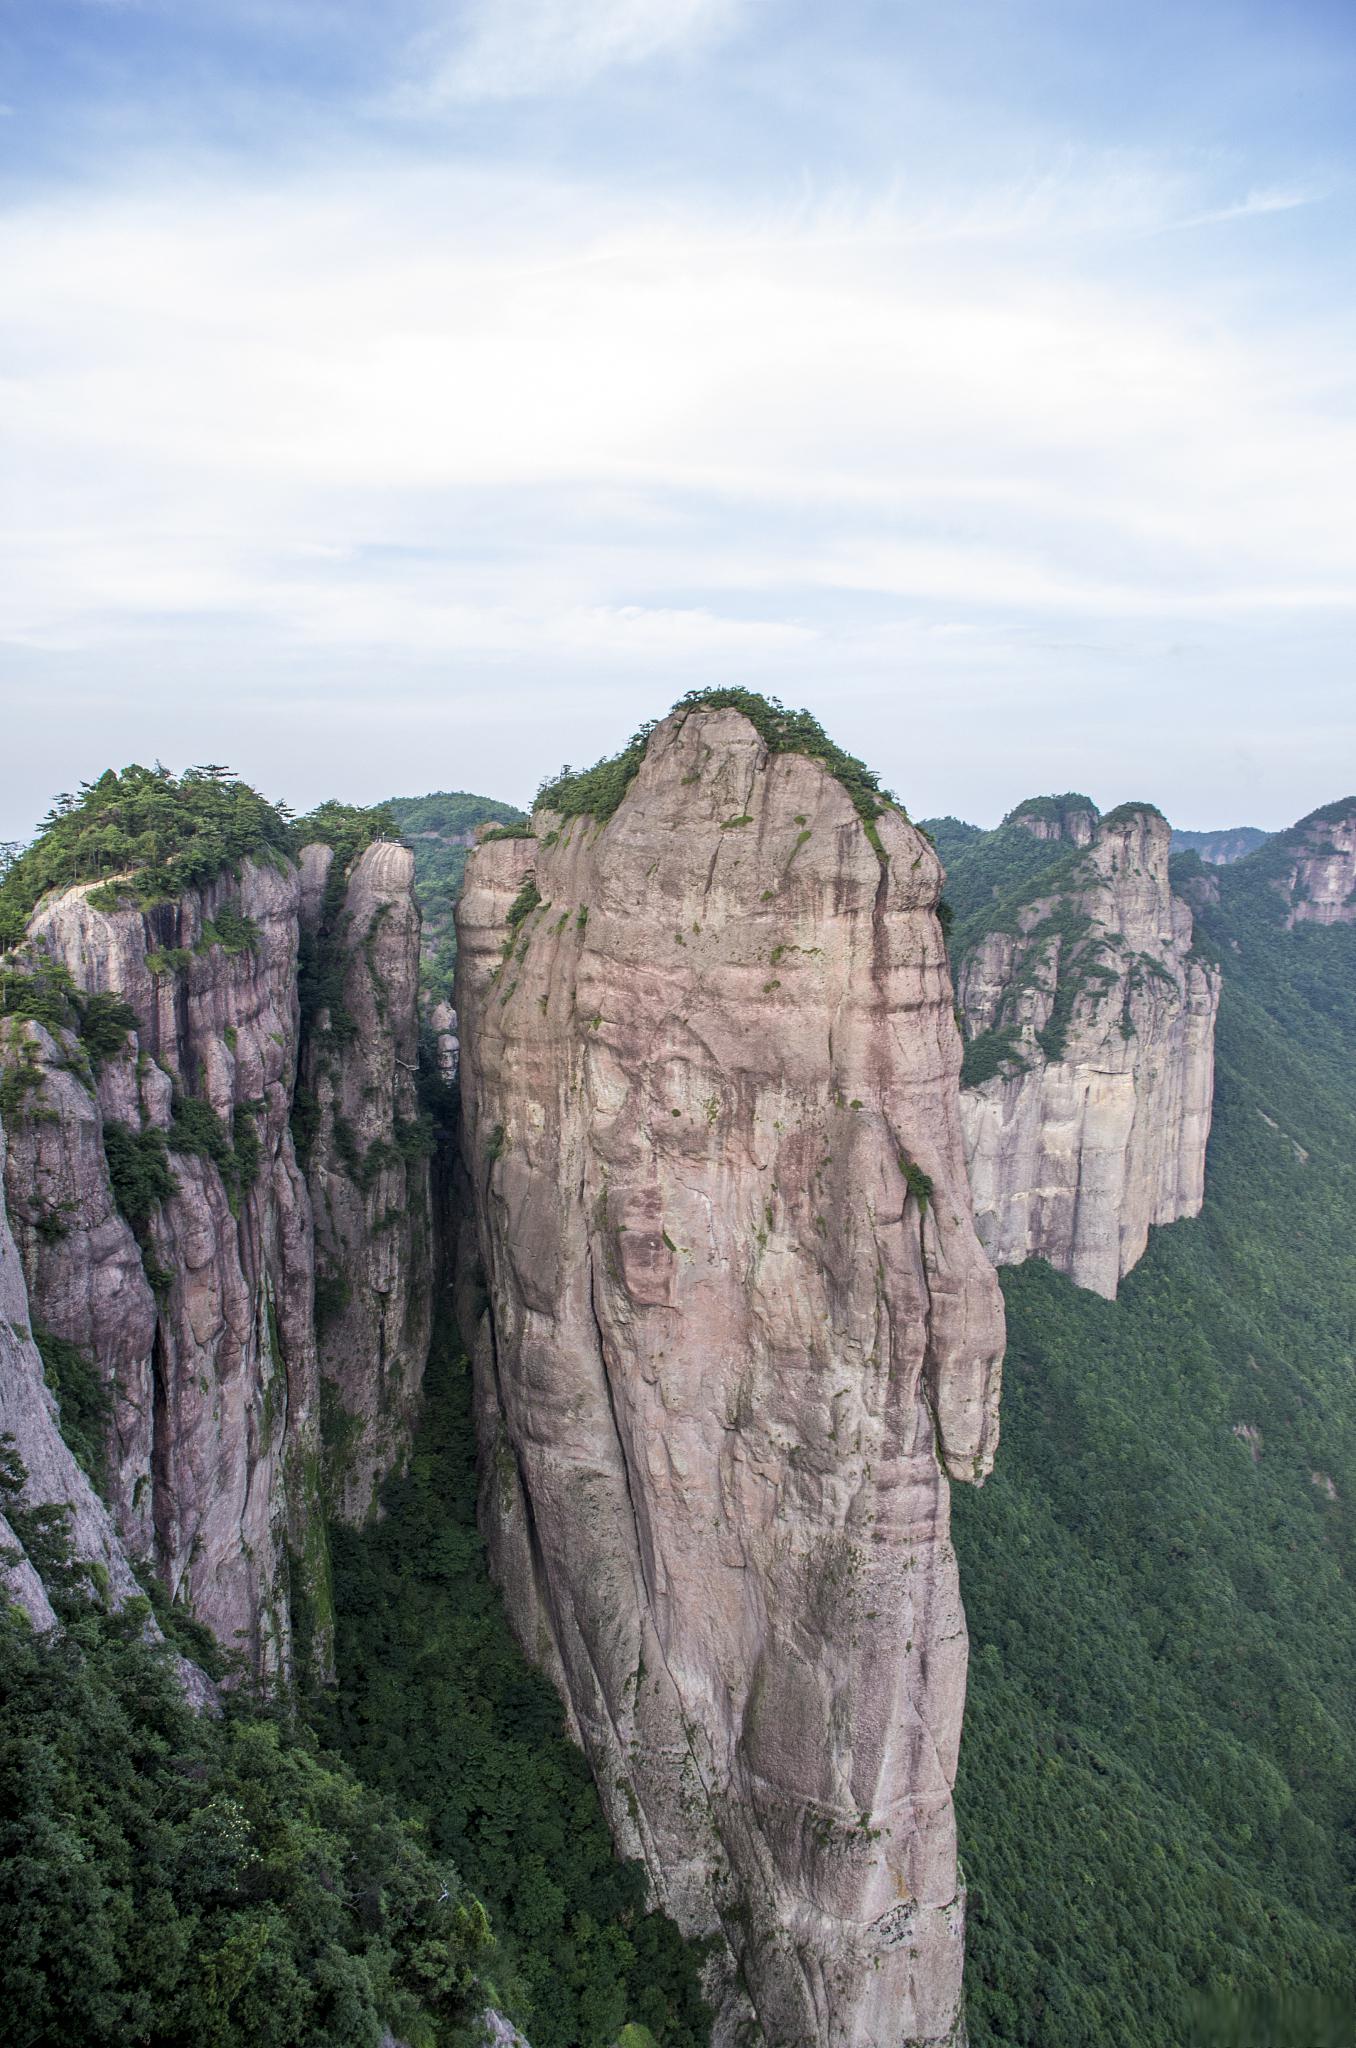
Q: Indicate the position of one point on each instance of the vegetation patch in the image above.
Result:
(596, 792)
(1159, 1748)
(83, 1402)
(437, 1707)
(172, 1877)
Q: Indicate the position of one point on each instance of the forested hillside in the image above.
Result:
(1156, 1790)
(440, 828)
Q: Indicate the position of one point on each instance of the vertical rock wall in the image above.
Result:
(204, 1328)
(367, 1166)
(1318, 879)
(1096, 1021)
(739, 1331)
(28, 1418)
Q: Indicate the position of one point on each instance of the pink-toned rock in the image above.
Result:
(216, 1453)
(28, 1419)
(1076, 1148)
(368, 1171)
(739, 1330)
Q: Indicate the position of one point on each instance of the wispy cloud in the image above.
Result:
(515, 49)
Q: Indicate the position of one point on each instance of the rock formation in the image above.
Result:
(739, 1330)
(166, 1227)
(28, 1419)
(1090, 1058)
(1318, 878)
(1071, 819)
(367, 1167)
(208, 1338)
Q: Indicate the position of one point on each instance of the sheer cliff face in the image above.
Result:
(1319, 881)
(28, 1417)
(368, 1175)
(205, 1329)
(1099, 1025)
(739, 1327)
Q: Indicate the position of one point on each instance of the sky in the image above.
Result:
(422, 396)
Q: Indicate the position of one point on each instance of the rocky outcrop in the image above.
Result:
(51, 1476)
(739, 1330)
(1318, 878)
(200, 1320)
(167, 1230)
(1070, 819)
(1090, 1058)
(367, 1165)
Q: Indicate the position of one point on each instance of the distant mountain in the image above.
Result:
(441, 828)
(1234, 842)
(1154, 1796)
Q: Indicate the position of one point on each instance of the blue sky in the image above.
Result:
(422, 396)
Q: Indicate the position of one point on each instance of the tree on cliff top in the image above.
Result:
(158, 833)
(596, 792)
(146, 835)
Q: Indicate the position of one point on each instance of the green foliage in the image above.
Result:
(993, 1052)
(150, 833)
(1054, 810)
(524, 903)
(83, 1402)
(596, 792)
(167, 1879)
(1155, 1783)
(437, 1705)
(105, 1021)
(196, 1129)
(992, 877)
(1126, 814)
(439, 828)
(139, 1171)
(231, 930)
(349, 828)
(39, 991)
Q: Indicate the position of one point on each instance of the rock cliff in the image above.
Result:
(367, 1165)
(53, 1479)
(1071, 819)
(167, 1232)
(739, 1330)
(1317, 859)
(1089, 1065)
(204, 1328)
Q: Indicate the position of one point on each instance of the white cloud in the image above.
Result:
(458, 426)
(511, 49)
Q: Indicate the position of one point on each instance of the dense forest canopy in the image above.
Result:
(1155, 1795)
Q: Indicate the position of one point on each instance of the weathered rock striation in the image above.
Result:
(1318, 874)
(367, 1167)
(208, 1339)
(52, 1478)
(739, 1330)
(1090, 1058)
(167, 1232)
